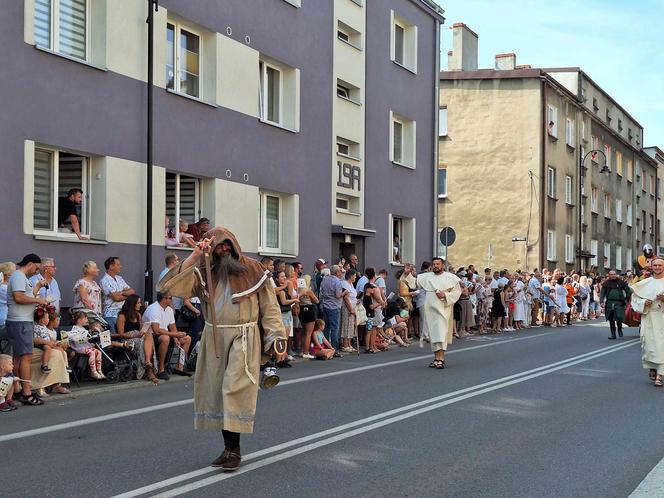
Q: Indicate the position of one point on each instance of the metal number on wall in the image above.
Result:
(349, 176)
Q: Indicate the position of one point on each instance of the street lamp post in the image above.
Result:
(582, 174)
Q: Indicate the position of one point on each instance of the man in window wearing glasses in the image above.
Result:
(68, 221)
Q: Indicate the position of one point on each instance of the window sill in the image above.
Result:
(179, 248)
(189, 97)
(74, 240)
(357, 2)
(277, 125)
(359, 104)
(552, 260)
(402, 165)
(69, 58)
(340, 154)
(293, 3)
(442, 196)
(413, 71)
(569, 204)
(277, 254)
(570, 147)
(349, 44)
(552, 197)
(552, 137)
(345, 211)
(397, 264)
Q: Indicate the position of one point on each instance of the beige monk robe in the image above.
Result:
(652, 321)
(439, 313)
(228, 364)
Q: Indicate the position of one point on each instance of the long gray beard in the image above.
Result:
(226, 266)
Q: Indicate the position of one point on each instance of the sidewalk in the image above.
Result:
(91, 388)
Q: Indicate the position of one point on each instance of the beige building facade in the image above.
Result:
(539, 167)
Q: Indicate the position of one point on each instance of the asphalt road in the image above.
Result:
(538, 413)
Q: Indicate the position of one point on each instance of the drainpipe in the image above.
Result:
(436, 138)
(152, 7)
(543, 239)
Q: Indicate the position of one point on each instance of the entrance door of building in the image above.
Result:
(345, 245)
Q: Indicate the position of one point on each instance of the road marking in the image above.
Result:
(652, 485)
(175, 404)
(395, 414)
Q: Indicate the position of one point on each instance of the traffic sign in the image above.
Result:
(447, 236)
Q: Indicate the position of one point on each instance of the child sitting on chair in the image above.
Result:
(6, 383)
(45, 338)
(79, 341)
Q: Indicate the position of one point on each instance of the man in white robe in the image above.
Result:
(648, 299)
(442, 289)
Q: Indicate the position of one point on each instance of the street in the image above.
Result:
(540, 412)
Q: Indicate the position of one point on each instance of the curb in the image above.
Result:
(120, 386)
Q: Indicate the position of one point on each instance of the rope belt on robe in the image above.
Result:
(246, 327)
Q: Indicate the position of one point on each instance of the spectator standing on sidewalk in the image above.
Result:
(331, 296)
(87, 293)
(535, 290)
(45, 284)
(6, 269)
(115, 290)
(20, 325)
(348, 316)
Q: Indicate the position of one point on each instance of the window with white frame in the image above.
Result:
(583, 130)
(56, 173)
(619, 163)
(628, 215)
(594, 204)
(607, 255)
(630, 170)
(594, 144)
(183, 60)
(402, 239)
(348, 91)
(347, 203)
(569, 249)
(442, 122)
(402, 140)
(442, 182)
(652, 185)
(607, 152)
(593, 250)
(619, 258)
(570, 139)
(403, 47)
(651, 225)
(349, 35)
(279, 95)
(552, 121)
(551, 245)
(62, 26)
(619, 207)
(271, 224)
(607, 205)
(551, 182)
(348, 148)
(271, 88)
(569, 192)
(183, 201)
(628, 259)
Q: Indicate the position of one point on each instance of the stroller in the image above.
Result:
(118, 364)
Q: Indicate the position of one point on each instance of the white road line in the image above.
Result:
(175, 404)
(461, 392)
(653, 484)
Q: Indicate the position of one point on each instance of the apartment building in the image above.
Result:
(658, 155)
(292, 138)
(539, 167)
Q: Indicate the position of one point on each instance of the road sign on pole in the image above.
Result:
(447, 238)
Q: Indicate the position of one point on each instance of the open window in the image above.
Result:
(348, 91)
(279, 94)
(402, 239)
(183, 200)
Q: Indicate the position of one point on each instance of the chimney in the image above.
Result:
(464, 49)
(505, 62)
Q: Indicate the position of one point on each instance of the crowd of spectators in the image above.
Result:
(336, 310)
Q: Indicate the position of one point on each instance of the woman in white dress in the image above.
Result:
(519, 304)
(561, 300)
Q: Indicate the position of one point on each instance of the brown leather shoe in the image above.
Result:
(229, 460)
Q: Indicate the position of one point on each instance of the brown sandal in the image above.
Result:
(150, 372)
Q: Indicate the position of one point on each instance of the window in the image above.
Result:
(569, 133)
(348, 91)
(628, 259)
(619, 163)
(595, 104)
(608, 117)
(594, 205)
(279, 95)
(569, 195)
(442, 182)
(630, 170)
(607, 205)
(442, 122)
(183, 199)
(270, 235)
(402, 140)
(56, 173)
(551, 245)
(630, 135)
(658, 188)
(552, 121)
(607, 255)
(551, 182)
(403, 36)
(62, 26)
(652, 185)
(569, 249)
(183, 60)
(619, 258)
(594, 144)
(583, 130)
(348, 148)
(628, 215)
(620, 125)
(651, 226)
(593, 251)
(643, 221)
(619, 210)
(607, 152)
(644, 181)
(402, 239)
(347, 204)
(349, 35)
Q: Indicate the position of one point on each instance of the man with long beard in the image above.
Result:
(243, 321)
(442, 291)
